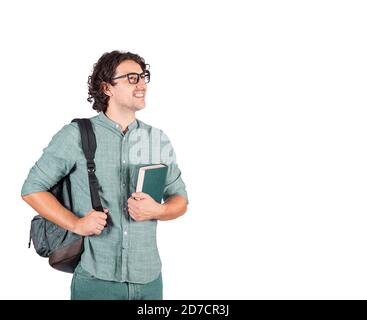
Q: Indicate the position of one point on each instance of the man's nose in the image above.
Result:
(141, 83)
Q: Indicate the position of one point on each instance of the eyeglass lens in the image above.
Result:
(134, 77)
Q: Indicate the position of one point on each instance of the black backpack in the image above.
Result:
(62, 247)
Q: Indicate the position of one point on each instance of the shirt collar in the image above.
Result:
(102, 116)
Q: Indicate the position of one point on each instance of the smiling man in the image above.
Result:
(120, 258)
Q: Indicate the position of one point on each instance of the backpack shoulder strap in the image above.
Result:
(89, 146)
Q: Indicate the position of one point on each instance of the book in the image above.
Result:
(151, 180)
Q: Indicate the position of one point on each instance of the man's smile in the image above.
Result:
(139, 94)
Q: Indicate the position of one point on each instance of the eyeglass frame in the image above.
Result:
(142, 75)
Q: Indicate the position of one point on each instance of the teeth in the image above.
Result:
(139, 95)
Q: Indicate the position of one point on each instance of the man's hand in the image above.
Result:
(92, 223)
(143, 207)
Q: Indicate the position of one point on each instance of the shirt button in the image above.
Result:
(117, 125)
(123, 161)
(123, 184)
(125, 233)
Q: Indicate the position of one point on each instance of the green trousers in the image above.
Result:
(86, 287)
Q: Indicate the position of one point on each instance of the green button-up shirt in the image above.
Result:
(127, 249)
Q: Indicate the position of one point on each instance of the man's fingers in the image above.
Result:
(130, 200)
(133, 214)
(101, 220)
(131, 211)
(101, 215)
(139, 196)
(101, 223)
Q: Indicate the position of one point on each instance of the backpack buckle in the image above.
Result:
(91, 167)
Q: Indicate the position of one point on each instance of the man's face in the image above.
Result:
(125, 94)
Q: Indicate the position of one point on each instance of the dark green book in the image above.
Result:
(151, 180)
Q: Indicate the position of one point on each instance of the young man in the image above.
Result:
(120, 258)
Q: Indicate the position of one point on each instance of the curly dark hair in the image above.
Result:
(103, 71)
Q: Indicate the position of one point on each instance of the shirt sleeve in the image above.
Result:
(57, 160)
(174, 183)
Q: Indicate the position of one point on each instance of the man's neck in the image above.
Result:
(122, 117)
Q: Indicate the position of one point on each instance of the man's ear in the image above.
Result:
(106, 89)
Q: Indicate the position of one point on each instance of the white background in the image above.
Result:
(265, 105)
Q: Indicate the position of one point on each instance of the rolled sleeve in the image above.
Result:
(176, 186)
(57, 160)
(174, 183)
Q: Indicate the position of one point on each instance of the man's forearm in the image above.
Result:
(174, 207)
(46, 204)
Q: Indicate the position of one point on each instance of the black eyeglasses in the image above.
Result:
(134, 77)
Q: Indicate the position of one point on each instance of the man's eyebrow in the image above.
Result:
(126, 72)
